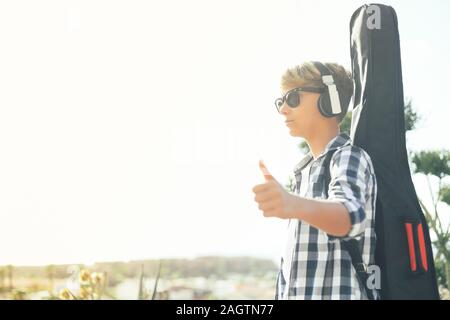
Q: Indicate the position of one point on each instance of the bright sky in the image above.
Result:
(133, 129)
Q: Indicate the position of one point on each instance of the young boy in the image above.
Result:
(317, 264)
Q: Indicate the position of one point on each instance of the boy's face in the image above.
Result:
(302, 119)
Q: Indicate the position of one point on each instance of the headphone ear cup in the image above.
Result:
(324, 104)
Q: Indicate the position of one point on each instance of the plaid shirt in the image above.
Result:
(319, 267)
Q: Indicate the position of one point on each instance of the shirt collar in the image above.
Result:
(342, 139)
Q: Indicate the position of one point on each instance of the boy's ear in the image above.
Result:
(315, 103)
(315, 100)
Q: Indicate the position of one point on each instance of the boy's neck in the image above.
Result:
(318, 142)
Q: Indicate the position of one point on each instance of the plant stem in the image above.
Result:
(447, 272)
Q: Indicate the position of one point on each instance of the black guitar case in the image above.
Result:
(403, 250)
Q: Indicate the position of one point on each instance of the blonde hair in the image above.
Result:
(307, 75)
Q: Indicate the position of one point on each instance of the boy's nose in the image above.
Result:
(284, 109)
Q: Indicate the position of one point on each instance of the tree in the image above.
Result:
(412, 118)
(437, 164)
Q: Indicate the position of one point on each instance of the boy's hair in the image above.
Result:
(306, 74)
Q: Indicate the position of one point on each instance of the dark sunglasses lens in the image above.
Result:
(293, 99)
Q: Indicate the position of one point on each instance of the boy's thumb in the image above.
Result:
(266, 172)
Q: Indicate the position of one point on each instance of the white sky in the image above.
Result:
(133, 129)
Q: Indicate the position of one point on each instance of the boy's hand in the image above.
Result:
(272, 198)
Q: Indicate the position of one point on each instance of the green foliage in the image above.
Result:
(155, 287)
(444, 194)
(436, 163)
(346, 123)
(411, 117)
(303, 146)
(141, 293)
(440, 272)
(290, 185)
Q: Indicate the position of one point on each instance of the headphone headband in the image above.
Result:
(323, 69)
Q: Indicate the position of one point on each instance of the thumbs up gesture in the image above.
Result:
(272, 198)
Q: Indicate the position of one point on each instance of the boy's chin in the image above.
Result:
(295, 133)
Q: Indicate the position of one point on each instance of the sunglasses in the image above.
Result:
(292, 97)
